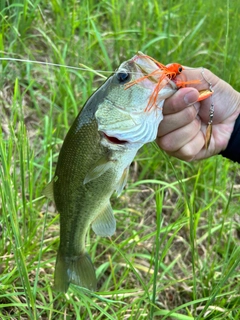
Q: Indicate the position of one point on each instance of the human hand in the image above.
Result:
(182, 130)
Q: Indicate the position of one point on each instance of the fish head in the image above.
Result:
(131, 110)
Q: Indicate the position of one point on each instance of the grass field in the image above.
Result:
(176, 252)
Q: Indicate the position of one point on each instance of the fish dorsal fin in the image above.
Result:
(122, 182)
(102, 165)
(48, 190)
(105, 224)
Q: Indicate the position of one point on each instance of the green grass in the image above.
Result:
(176, 253)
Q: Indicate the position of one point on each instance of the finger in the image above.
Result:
(177, 120)
(180, 100)
(192, 149)
(177, 139)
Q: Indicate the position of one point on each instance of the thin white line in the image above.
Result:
(51, 64)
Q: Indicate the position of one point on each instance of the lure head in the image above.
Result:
(174, 69)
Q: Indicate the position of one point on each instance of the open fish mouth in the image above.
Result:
(114, 139)
(145, 63)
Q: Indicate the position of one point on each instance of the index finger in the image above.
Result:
(183, 98)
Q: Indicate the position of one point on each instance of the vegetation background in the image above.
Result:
(176, 252)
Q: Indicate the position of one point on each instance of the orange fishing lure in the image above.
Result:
(169, 72)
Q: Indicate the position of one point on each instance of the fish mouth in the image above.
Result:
(114, 139)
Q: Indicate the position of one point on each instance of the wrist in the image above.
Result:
(232, 151)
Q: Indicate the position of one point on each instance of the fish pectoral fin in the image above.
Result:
(48, 190)
(105, 224)
(122, 182)
(103, 165)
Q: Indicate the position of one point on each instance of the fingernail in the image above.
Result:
(190, 97)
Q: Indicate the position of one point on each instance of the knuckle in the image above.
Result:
(190, 114)
(166, 143)
(188, 153)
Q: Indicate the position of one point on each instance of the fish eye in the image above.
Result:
(180, 69)
(123, 76)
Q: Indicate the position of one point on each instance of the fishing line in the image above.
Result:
(85, 68)
(51, 64)
(46, 63)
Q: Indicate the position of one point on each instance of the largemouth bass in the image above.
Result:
(95, 157)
